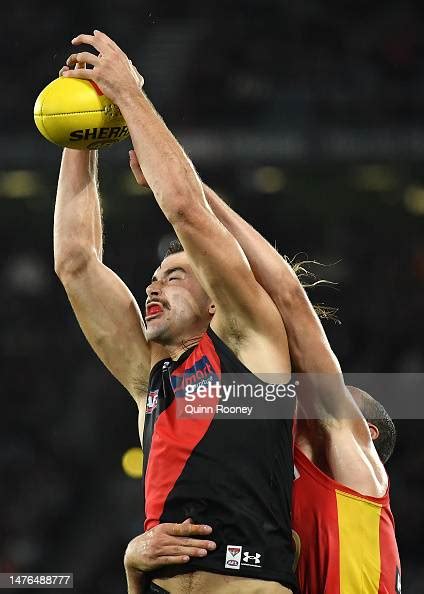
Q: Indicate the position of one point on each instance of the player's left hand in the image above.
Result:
(167, 544)
(111, 69)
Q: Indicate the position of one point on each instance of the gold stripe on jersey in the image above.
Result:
(359, 540)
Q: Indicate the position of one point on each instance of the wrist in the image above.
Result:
(130, 99)
(78, 155)
(135, 568)
(80, 165)
(135, 580)
(134, 573)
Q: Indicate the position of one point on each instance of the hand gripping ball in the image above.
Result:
(74, 113)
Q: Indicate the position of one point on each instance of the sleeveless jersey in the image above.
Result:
(234, 474)
(345, 541)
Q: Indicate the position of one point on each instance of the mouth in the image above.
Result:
(153, 310)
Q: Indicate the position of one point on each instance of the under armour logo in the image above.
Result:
(248, 557)
(398, 582)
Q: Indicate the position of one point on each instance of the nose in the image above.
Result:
(153, 290)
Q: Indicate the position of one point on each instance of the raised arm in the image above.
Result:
(309, 348)
(216, 258)
(106, 311)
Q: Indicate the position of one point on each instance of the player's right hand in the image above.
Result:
(167, 544)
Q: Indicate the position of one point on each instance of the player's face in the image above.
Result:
(177, 308)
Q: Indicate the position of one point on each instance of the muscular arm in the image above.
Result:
(214, 254)
(106, 310)
(309, 348)
(216, 258)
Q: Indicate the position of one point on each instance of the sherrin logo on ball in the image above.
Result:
(74, 113)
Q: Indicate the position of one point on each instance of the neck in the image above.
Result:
(187, 343)
(175, 349)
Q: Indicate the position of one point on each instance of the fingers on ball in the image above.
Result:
(82, 58)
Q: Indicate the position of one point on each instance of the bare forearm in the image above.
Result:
(77, 219)
(308, 344)
(98, 226)
(270, 269)
(167, 169)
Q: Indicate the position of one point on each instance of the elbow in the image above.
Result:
(289, 294)
(178, 211)
(182, 203)
(177, 215)
(70, 263)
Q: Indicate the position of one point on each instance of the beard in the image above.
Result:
(159, 331)
(171, 332)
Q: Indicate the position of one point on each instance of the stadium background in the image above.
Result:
(309, 118)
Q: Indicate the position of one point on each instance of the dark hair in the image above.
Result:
(175, 247)
(377, 415)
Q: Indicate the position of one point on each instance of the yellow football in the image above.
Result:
(74, 113)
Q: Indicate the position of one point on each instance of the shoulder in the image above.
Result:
(337, 453)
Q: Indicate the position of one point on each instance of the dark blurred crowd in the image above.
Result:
(65, 501)
(260, 62)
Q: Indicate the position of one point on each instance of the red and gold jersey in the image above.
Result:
(345, 541)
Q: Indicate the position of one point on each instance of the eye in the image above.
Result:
(172, 278)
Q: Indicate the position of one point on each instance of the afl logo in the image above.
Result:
(233, 557)
(152, 401)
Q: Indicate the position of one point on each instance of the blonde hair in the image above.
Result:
(309, 280)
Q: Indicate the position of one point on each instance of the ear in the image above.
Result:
(212, 309)
(374, 431)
